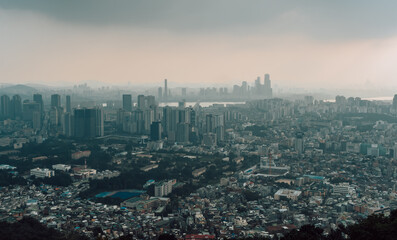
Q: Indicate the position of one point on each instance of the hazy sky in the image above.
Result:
(315, 43)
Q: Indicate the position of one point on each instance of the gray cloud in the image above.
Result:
(320, 19)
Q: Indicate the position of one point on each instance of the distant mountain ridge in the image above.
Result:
(19, 89)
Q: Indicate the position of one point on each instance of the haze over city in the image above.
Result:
(188, 120)
(327, 44)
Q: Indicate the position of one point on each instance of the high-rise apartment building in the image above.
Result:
(16, 107)
(38, 98)
(268, 91)
(127, 102)
(182, 132)
(29, 109)
(88, 123)
(55, 100)
(5, 106)
(155, 131)
(68, 104)
(299, 143)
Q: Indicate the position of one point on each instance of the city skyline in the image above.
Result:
(308, 45)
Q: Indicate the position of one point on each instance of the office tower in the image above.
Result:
(165, 89)
(340, 100)
(182, 132)
(54, 116)
(155, 131)
(148, 118)
(183, 92)
(236, 90)
(16, 107)
(141, 102)
(68, 104)
(160, 93)
(150, 101)
(299, 143)
(193, 117)
(88, 123)
(5, 106)
(145, 102)
(209, 123)
(184, 115)
(220, 133)
(244, 88)
(166, 122)
(267, 82)
(36, 120)
(268, 86)
(219, 127)
(29, 108)
(55, 100)
(38, 98)
(258, 86)
(127, 102)
(67, 124)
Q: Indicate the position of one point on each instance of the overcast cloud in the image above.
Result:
(307, 43)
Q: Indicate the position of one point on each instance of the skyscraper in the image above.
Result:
(268, 86)
(127, 102)
(88, 123)
(299, 143)
(54, 116)
(141, 102)
(38, 98)
(16, 107)
(145, 102)
(165, 89)
(395, 101)
(55, 100)
(209, 123)
(29, 109)
(160, 93)
(182, 132)
(5, 106)
(67, 124)
(258, 86)
(267, 81)
(68, 104)
(155, 131)
(36, 119)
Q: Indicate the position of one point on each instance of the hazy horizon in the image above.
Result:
(335, 45)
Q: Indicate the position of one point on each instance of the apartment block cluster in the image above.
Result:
(57, 119)
(274, 165)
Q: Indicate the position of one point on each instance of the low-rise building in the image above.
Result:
(42, 173)
(61, 167)
(287, 194)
